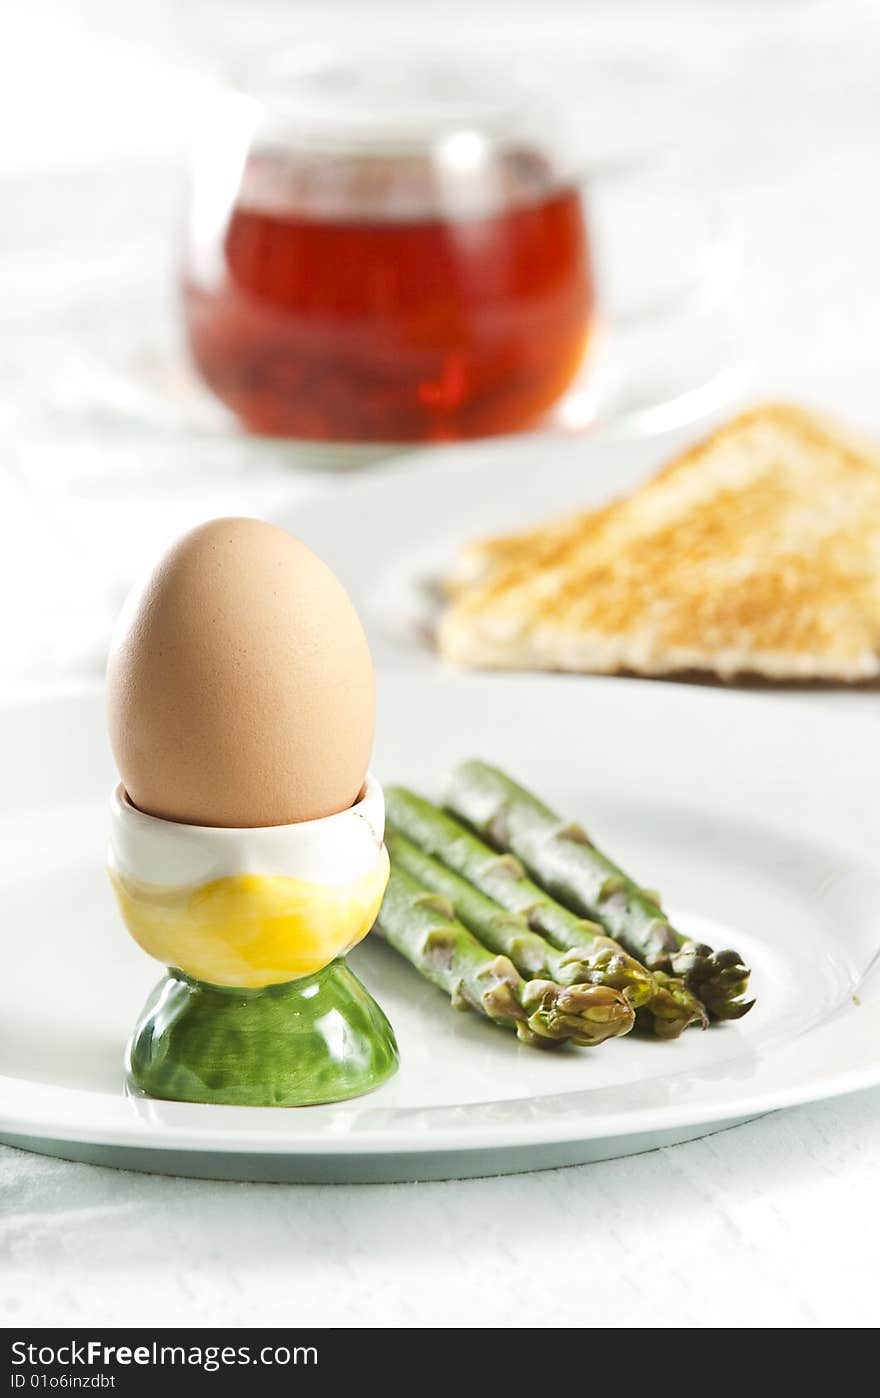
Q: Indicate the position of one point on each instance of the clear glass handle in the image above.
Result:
(667, 253)
(665, 242)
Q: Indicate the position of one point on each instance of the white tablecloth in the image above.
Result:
(769, 1224)
(773, 1223)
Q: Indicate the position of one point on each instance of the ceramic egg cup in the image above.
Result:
(257, 1007)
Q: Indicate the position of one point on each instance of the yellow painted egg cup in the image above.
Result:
(257, 1007)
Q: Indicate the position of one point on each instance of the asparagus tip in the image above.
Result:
(674, 1007)
(585, 1014)
(719, 978)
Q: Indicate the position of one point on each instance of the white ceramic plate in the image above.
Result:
(756, 818)
(392, 536)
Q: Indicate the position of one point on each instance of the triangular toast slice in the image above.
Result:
(755, 552)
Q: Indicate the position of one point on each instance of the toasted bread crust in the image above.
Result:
(756, 551)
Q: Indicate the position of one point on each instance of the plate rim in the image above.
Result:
(636, 1122)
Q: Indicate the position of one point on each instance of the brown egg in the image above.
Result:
(240, 687)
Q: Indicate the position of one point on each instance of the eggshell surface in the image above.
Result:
(240, 686)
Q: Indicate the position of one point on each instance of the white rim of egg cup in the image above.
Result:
(330, 851)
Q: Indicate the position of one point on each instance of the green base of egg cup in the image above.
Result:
(319, 1039)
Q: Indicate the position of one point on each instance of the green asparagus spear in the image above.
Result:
(422, 926)
(498, 929)
(567, 863)
(502, 879)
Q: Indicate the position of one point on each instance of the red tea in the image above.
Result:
(400, 328)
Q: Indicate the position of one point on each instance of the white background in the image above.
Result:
(770, 1224)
